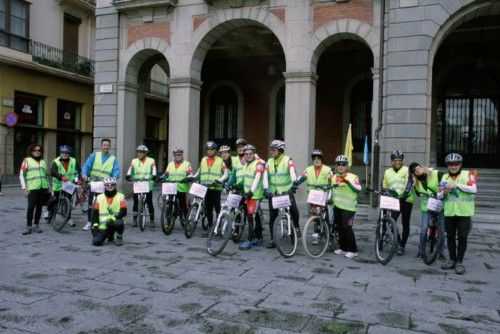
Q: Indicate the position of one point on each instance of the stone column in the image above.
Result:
(126, 125)
(184, 118)
(300, 116)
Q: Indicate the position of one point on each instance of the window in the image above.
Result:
(223, 116)
(29, 109)
(68, 125)
(14, 24)
(279, 129)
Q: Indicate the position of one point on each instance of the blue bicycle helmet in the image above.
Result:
(64, 149)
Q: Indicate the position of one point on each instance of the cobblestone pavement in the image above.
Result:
(58, 283)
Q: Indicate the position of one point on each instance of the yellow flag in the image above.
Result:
(348, 146)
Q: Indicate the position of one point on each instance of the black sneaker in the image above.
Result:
(401, 250)
(442, 258)
(36, 229)
(28, 230)
(271, 245)
(418, 257)
(459, 269)
(450, 265)
(298, 233)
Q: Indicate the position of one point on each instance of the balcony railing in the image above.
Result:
(57, 58)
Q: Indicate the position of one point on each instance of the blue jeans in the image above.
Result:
(426, 217)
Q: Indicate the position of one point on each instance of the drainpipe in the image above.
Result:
(376, 146)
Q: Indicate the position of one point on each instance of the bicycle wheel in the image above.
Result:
(191, 221)
(62, 212)
(240, 221)
(285, 238)
(386, 239)
(432, 241)
(218, 235)
(167, 219)
(315, 237)
(141, 216)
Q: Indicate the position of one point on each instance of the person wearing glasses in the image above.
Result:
(35, 185)
(457, 189)
(143, 168)
(63, 169)
(212, 174)
(109, 210)
(99, 165)
(178, 170)
(346, 187)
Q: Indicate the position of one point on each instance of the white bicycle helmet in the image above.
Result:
(178, 150)
(316, 153)
(453, 157)
(109, 180)
(277, 144)
(142, 148)
(224, 148)
(342, 158)
(249, 147)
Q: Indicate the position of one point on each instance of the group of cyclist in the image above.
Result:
(258, 179)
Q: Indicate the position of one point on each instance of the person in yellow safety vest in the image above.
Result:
(63, 169)
(427, 185)
(35, 184)
(99, 165)
(212, 173)
(396, 179)
(318, 177)
(457, 188)
(239, 159)
(143, 168)
(345, 191)
(279, 175)
(179, 170)
(250, 176)
(109, 210)
(225, 154)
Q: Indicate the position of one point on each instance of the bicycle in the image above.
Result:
(434, 231)
(81, 197)
(141, 188)
(317, 230)
(284, 234)
(196, 212)
(230, 221)
(170, 209)
(60, 212)
(386, 233)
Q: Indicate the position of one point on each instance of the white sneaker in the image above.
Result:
(350, 255)
(87, 226)
(46, 215)
(71, 223)
(339, 251)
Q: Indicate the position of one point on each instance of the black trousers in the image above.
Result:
(36, 199)
(149, 202)
(98, 236)
(406, 208)
(183, 204)
(90, 201)
(273, 213)
(212, 201)
(254, 226)
(343, 221)
(457, 231)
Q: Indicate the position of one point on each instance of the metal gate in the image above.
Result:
(470, 126)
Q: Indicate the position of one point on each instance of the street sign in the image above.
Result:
(10, 119)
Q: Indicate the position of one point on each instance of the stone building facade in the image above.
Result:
(425, 82)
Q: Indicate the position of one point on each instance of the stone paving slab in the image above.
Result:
(58, 283)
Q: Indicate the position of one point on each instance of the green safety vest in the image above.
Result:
(36, 175)
(107, 211)
(317, 181)
(236, 162)
(99, 170)
(248, 173)
(279, 179)
(461, 205)
(177, 174)
(397, 181)
(432, 188)
(343, 196)
(70, 173)
(210, 174)
(143, 170)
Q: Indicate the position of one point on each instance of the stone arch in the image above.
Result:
(273, 96)
(206, 109)
(338, 30)
(225, 20)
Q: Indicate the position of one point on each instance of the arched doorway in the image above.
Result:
(466, 93)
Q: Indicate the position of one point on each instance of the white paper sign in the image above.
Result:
(233, 200)
(169, 188)
(389, 203)
(281, 202)
(317, 197)
(69, 187)
(198, 190)
(97, 187)
(434, 205)
(141, 187)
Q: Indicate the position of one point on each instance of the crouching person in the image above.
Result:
(108, 213)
